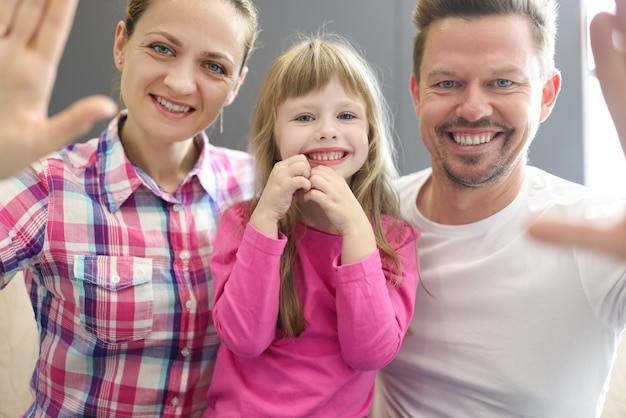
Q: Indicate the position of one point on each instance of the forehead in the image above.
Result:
(213, 23)
(479, 43)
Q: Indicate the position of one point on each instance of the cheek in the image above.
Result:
(137, 76)
(519, 114)
(284, 143)
(435, 112)
(363, 147)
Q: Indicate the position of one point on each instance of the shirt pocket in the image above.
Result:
(115, 296)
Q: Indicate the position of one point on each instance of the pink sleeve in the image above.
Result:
(373, 313)
(245, 267)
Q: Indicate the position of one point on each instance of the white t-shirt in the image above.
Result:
(514, 327)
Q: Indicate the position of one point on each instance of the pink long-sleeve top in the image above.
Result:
(356, 318)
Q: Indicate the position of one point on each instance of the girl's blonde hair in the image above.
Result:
(308, 66)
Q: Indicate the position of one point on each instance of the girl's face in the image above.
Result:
(179, 68)
(328, 126)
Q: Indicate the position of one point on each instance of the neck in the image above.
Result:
(443, 201)
(167, 166)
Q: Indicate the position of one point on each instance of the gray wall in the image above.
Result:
(382, 29)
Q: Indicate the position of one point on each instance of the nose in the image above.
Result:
(180, 78)
(475, 104)
(327, 128)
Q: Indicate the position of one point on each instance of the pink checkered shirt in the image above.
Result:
(118, 274)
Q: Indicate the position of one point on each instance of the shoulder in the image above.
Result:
(85, 154)
(539, 179)
(408, 187)
(398, 230)
(240, 210)
(229, 159)
(547, 192)
(73, 158)
(412, 180)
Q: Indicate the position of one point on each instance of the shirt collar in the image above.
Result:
(120, 177)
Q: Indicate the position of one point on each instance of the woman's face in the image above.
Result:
(179, 68)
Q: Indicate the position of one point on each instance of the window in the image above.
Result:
(605, 166)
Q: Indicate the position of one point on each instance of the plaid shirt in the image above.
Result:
(118, 274)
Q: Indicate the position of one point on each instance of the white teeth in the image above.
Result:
(472, 139)
(171, 106)
(318, 156)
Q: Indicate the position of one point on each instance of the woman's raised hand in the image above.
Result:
(33, 34)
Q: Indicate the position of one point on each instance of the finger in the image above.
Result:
(319, 181)
(74, 121)
(7, 11)
(579, 234)
(297, 166)
(610, 68)
(27, 19)
(55, 27)
(315, 195)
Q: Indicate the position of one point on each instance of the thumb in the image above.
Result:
(76, 120)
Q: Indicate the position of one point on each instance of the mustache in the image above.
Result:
(484, 123)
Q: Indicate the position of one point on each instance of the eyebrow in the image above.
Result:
(496, 73)
(176, 42)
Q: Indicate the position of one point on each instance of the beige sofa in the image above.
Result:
(19, 348)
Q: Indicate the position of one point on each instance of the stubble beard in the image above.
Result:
(466, 174)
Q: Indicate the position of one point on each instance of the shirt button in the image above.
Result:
(185, 351)
(184, 255)
(175, 401)
(177, 207)
(115, 279)
(189, 305)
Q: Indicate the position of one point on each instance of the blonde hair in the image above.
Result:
(309, 65)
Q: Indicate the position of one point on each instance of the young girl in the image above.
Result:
(314, 280)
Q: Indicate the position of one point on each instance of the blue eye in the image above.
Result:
(346, 116)
(447, 84)
(161, 49)
(304, 118)
(503, 83)
(215, 68)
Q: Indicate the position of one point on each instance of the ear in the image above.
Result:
(415, 93)
(550, 92)
(118, 46)
(238, 84)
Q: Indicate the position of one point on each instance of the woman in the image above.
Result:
(114, 235)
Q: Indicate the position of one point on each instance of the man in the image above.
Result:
(506, 325)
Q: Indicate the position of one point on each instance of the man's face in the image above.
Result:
(481, 97)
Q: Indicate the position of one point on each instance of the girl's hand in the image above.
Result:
(332, 194)
(288, 180)
(32, 37)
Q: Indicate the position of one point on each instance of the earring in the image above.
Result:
(222, 121)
